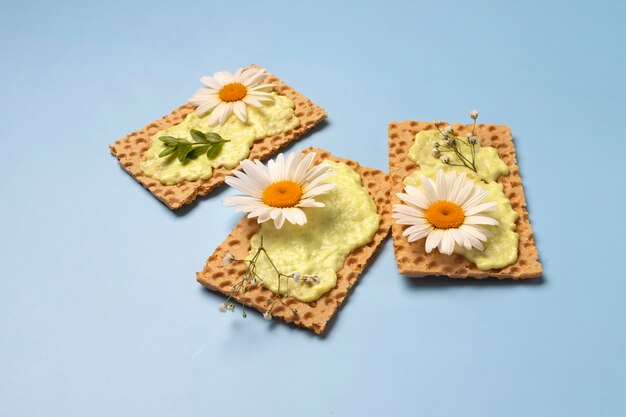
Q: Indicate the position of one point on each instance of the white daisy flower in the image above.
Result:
(227, 93)
(474, 114)
(449, 211)
(281, 189)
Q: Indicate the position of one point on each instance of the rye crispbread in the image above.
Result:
(314, 315)
(130, 149)
(411, 257)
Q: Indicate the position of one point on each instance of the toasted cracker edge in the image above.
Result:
(314, 315)
(130, 149)
(411, 257)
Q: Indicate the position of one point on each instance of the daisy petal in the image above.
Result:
(320, 189)
(480, 220)
(279, 220)
(417, 194)
(226, 113)
(242, 200)
(240, 110)
(223, 77)
(245, 185)
(206, 107)
(265, 216)
(480, 208)
(252, 101)
(211, 83)
(415, 229)
(420, 235)
(309, 202)
(441, 186)
(411, 211)
(433, 240)
(217, 113)
(464, 193)
(456, 187)
(446, 246)
(473, 231)
(303, 167)
(474, 199)
(429, 188)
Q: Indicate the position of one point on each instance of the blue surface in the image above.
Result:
(100, 313)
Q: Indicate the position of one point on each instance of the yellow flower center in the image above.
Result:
(445, 215)
(282, 194)
(232, 92)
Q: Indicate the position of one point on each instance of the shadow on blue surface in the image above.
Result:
(439, 282)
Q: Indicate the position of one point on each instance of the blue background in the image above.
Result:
(100, 313)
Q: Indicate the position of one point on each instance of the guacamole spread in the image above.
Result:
(268, 120)
(319, 248)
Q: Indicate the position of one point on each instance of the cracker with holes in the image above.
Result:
(313, 223)
(458, 202)
(188, 153)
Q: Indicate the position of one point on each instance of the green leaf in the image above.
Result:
(213, 137)
(172, 141)
(183, 151)
(209, 143)
(214, 150)
(198, 136)
(167, 151)
(196, 152)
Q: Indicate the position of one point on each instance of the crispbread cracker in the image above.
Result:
(130, 149)
(411, 257)
(314, 315)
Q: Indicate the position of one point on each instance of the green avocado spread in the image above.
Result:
(488, 163)
(319, 248)
(500, 249)
(268, 120)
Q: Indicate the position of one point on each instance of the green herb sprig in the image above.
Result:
(209, 144)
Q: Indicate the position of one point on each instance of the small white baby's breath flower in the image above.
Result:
(222, 307)
(267, 316)
(447, 130)
(436, 152)
(316, 279)
(231, 306)
(445, 159)
(229, 258)
(474, 140)
(449, 140)
(436, 123)
(474, 114)
(296, 277)
(435, 144)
